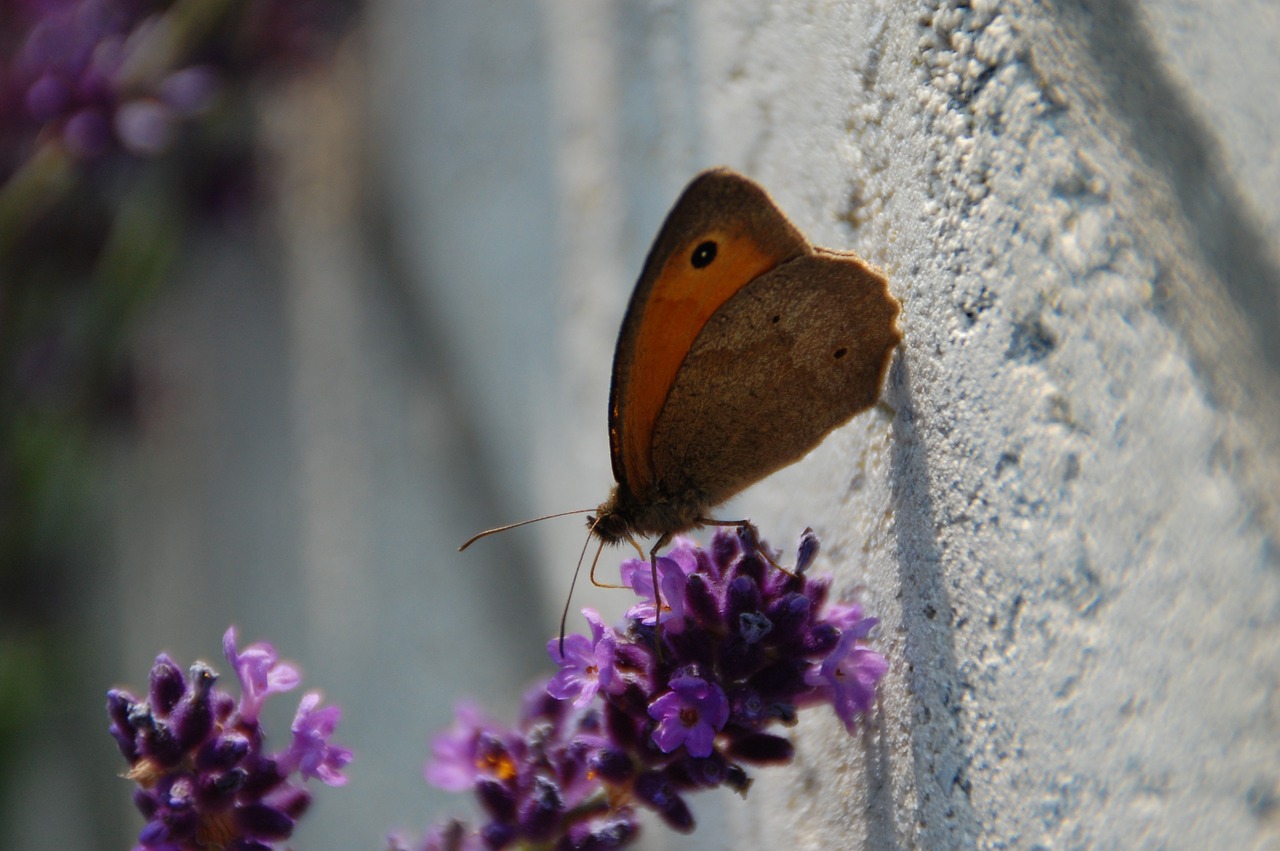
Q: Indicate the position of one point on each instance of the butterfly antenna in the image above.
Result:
(487, 532)
(564, 615)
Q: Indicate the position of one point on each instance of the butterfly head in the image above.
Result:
(624, 517)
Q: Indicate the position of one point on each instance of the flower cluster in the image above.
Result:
(204, 778)
(678, 701)
(97, 76)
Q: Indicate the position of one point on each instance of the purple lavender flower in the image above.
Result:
(457, 760)
(849, 676)
(587, 664)
(261, 673)
(637, 574)
(103, 75)
(641, 717)
(204, 779)
(310, 753)
(690, 714)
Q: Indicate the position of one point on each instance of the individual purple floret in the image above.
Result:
(204, 778)
(691, 714)
(586, 666)
(642, 716)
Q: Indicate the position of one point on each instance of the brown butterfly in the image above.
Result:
(743, 346)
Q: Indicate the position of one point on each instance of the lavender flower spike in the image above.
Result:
(204, 780)
(638, 717)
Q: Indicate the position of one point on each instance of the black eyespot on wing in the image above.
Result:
(703, 254)
(841, 352)
(777, 317)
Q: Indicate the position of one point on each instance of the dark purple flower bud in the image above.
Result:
(120, 705)
(498, 835)
(223, 706)
(153, 833)
(790, 616)
(262, 775)
(542, 809)
(784, 713)
(821, 639)
(807, 551)
(654, 790)
(614, 765)
(782, 679)
(193, 719)
(748, 538)
(743, 596)
(218, 790)
(293, 802)
(498, 800)
(261, 821)
(753, 626)
(725, 547)
(145, 801)
(536, 705)
(167, 686)
(222, 753)
(738, 660)
(622, 727)
(761, 748)
(700, 601)
(159, 743)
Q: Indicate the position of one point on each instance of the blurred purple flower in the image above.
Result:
(310, 753)
(261, 673)
(455, 754)
(203, 778)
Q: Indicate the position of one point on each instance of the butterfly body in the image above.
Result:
(743, 346)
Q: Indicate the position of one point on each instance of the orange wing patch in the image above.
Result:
(682, 300)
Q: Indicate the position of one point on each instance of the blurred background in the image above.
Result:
(282, 305)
